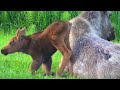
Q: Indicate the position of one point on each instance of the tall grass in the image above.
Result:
(115, 18)
(39, 20)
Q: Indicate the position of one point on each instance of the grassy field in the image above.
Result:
(16, 66)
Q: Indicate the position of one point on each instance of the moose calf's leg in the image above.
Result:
(60, 45)
(44, 69)
(66, 69)
(46, 65)
(34, 66)
(66, 57)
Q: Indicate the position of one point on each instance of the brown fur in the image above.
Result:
(42, 45)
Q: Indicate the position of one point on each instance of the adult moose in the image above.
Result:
(93, 55)
(42, 45)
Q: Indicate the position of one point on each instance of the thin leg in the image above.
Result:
(66, 69)
(66, 53)
(35, 65)
(46, 65)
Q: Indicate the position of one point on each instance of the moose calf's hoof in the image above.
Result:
(51, 73)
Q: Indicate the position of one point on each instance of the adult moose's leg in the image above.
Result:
(46, 65)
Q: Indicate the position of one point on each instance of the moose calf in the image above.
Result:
(42, 45)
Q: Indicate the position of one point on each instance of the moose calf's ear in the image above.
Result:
(21, 33)
(17, 32)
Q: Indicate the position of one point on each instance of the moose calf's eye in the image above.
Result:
(12, 43)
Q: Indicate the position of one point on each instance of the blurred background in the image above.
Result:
(39, 20)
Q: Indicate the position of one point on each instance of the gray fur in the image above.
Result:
(93, 56)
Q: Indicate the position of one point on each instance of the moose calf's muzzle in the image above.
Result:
(4, 51)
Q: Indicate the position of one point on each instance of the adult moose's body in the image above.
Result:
(94, 56)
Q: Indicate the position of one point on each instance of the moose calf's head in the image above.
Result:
(15, 43)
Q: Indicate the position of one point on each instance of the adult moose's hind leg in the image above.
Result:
(46, 65)
(66, 54)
